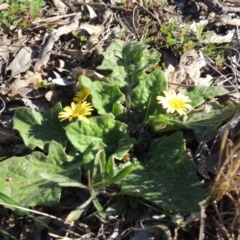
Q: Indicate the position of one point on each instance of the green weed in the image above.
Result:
(14, 14)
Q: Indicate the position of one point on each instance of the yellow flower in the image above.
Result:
(76, 110)
(82, 95)
(175, 102)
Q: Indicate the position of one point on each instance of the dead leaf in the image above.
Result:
(22, 61)
(28, 103)
(234, 22)
(41, 105)
(62, 7)
(4, 6)
(88, 73)
(45, 52)
(92, 13)
(92, 29)
(206, 81)
(216, 38)
(19, 84)
(186, 73)
(63, 81)
(4, 48)
(31, 93)
(93, 40)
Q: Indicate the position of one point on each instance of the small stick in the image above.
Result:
(52, 19)
(4, 105)
(217, 7)
(202, 218)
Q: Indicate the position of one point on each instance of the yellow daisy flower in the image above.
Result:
(175, 102)
(76, 110)
(82, 95)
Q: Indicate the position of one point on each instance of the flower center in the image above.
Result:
(176, 103)
(79, 110)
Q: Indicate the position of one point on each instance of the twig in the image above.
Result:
(52, 19)
(218, 7)
(202, 219)
(99, 5)
(4, 105)
(115, 231)
(223, 230)
(40, 213)
(181, 85)
(157, 19)
(135, 29)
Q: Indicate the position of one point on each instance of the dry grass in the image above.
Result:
(224, 194)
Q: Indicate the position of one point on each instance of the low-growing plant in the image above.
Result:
(82, 38)
(216, 52)
(178, 39)
(14, 14)
(123, 142)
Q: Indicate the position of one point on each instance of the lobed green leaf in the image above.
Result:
(199, 94)
(39, 129)
(21, 180)
(169, 177)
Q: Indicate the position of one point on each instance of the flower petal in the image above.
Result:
(174, 102)
(76, 110)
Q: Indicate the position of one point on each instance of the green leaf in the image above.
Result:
(8, 200)
(39, 129)
(129, 63)
(20, 179)
(101, 132)
(36, 5)
(199, 94)
(98, 171)
(75, 214)
(113, 61)
(145, 93)
(169, 177)
(106, 98)
(122, 173)
(110, 168)
(72, 184)
(170, 39)
(119, 172)
(204, 124)
(101, 136)
(98, 207)
(62, 180)
(163, 123)
(12, 204)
